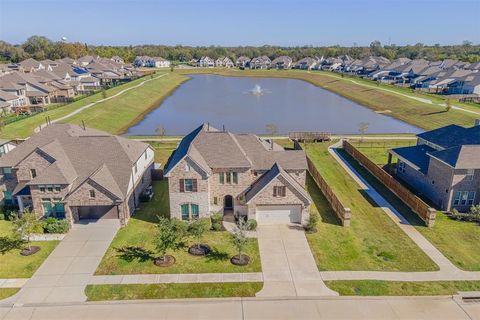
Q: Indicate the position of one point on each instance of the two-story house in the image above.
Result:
(77, 173)
(444, 166)
(219, 171)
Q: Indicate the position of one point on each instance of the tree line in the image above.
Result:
(40, 48)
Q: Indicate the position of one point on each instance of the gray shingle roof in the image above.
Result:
(211, 148)
(416, 155)
(77, 155)
(460, 157)
(452, 135)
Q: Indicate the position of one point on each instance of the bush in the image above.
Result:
(251, 224)
(217, 217)
(53, 225)
(312, 223)
(216, 226)
(144, 198)
(2, 216)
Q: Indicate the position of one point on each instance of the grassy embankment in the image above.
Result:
(114, 115)
(457, 240)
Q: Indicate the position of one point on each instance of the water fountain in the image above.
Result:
(258, 91)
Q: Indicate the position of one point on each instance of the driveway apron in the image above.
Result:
(288, 266)
(66, 272)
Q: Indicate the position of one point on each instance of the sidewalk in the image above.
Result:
(177, 278)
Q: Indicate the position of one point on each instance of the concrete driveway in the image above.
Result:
(288, 266)
(65, 273)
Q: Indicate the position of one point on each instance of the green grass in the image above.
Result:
(423, 115)
(140, 231)
(14, 265)
(372, 242)
(400, 288)
(7, 292)
(163, 150)
(109, 118)
(457, 240)
(171, 291)
(377, 150)
(118, 114)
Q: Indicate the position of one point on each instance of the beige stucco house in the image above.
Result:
(219, 171)
(77, 173)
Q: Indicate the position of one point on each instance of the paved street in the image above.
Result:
(384, 308)
(65, 273)
(288, 265)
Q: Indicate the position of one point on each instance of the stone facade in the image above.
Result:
(210, 195)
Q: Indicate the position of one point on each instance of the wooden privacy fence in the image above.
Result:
(309, 136)
(417, 205)
(342, 212)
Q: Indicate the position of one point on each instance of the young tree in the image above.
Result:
(170, 236)
(26, 224)
(161, 131)
(240, 241)
(272, 129)
(448, 105)
(363, 128)
(197, 229)
(104, 93)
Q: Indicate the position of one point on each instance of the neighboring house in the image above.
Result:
(218, 171)
(9, 102)
(117, 59)
(307, 63)
(77, 173)
(86, 60)
(243, 62)
(205, 62)
(262, 62)
(224, 62)
(282, 63)
(6, 146)
(444, 166)
(31, 65)
(151, 62)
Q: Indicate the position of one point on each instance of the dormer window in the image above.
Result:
(33, 173)
(92, 194)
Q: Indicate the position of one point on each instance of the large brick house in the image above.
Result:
(444, 166)
(77, 173)
(218, 171)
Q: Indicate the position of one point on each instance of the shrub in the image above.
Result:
(53, 225)
(312, 223)
(2, 216)
(216, 226)
(251, 224)
(144, 198)
(217, 217)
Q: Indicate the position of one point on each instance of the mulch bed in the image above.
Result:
(199, 250)
(166, 261)
(240, 261)
(28, 252)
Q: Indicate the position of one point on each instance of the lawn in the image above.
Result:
(139, 100)
(14, 265)
(171, 291)
(377, 150)
(400, 288)
(457, 240)
(163, 150)
(118, 114)
(372, 242)
(138, 236)
(423, 115)
(7, 292)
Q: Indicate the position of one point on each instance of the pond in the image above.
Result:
(262, 106)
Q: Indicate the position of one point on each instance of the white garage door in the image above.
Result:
(279, 214)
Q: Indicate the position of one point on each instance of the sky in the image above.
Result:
(247, 22)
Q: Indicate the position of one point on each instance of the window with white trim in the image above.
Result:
(470, 175)
(464, 198)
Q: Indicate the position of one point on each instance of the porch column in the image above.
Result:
(20, 203)
(389, 159)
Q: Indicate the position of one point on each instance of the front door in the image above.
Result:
(228, 203)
